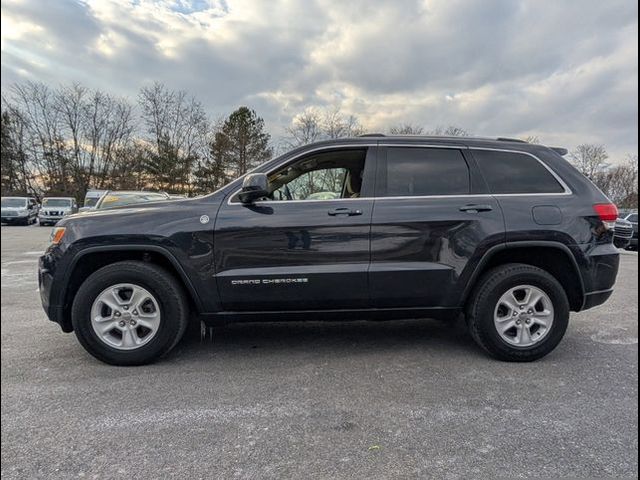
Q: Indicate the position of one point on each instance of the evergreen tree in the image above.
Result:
(242, 142)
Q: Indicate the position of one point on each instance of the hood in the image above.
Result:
(141, 222)
(127, 209)
(13, 209)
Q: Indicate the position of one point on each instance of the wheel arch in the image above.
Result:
(90, 259)
(553, 257)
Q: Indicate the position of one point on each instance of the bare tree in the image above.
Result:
(305, 128)
(406, 129)
(337, 125)
(590, 159)
(176, 124)
(33, 105)
(620, 182)
(96, 125)
(450, 131)
(316, 124)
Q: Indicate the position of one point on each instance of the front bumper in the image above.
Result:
(622, 242)
(10, 220)
(49, 219)
(46, 287)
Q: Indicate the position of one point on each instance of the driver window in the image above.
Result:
(324, 176)
(324, 184)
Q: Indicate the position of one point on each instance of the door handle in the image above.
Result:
(344, 211)
(476, 208)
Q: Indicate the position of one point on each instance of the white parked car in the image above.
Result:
(54, 208)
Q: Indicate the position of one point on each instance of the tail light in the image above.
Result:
(607, 212)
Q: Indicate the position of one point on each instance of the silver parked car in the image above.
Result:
(54, 208)
(19, 210)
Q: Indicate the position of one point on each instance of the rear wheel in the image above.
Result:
(518, 313)
(129, 313)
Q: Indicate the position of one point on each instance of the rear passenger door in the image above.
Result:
(432, 221)
(531, 195)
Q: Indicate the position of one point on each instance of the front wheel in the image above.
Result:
(518, 313)
(129, 313)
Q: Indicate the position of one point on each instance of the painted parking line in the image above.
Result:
(16, 262)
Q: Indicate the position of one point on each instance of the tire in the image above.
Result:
(169, 301)
(484, 313)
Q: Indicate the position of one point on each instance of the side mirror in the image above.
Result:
(255, 185)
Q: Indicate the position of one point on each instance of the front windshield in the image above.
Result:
(14, 202)
(56, 202)
(120, 199)
(633, 218)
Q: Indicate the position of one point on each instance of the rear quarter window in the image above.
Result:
(510, 172)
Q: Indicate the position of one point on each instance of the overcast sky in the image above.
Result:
(566, 71)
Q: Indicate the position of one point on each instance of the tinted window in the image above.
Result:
(426, 171)
(515, 173)
(633, 218)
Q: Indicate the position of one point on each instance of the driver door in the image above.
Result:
(306, 247)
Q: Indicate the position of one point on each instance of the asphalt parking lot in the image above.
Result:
(316, 400)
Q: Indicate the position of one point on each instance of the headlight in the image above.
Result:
(57, 233)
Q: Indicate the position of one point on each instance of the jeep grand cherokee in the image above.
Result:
(375, 227)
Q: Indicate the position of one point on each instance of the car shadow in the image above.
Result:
(335, 338)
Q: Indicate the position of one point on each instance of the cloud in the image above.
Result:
(566, 72)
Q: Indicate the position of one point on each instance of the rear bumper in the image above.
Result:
(599, 269)
(594, 299)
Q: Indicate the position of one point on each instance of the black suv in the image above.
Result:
(375, 227)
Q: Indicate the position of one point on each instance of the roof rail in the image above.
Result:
(373, 135)
(506, 139)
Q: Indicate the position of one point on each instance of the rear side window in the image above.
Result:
(426, 171)
(508, 172)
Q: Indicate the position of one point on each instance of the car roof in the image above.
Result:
(58, 198)
(133, 192)
(501, 143)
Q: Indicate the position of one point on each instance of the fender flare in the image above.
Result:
(134, 247)
(517, 245)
